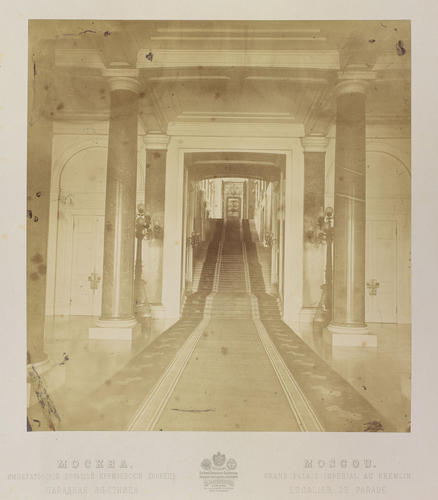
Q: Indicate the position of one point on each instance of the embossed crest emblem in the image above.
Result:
(206, 464)
(219, 459)
(219, 473)
(231, 464)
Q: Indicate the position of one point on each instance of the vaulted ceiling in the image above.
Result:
(207, 165)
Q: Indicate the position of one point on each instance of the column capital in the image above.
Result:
(314, 143)
(354, 80)
(122, 79)
(156, 141)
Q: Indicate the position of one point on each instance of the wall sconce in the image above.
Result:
(269, 240)
(142, 222)
(195, 239)
(325, 224)
(145, 227)
(317, 231)
(324, 312)
(142, 226)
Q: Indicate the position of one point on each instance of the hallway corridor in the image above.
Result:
(230, 363)
(216, 389)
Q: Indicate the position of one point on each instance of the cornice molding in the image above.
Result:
(390, 60)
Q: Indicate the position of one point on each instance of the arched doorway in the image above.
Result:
(234, 186)
(79, 248)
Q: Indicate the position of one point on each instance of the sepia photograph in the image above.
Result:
(218, 226)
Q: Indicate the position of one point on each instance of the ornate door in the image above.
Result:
(381, 272)
(86, 265)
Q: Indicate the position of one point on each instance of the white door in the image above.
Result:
(381, 272)
(87, 265)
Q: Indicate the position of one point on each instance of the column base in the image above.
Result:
(114, 329)
(349, 336)
(142, 311)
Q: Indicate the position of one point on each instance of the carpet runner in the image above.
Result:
(339, 407)
(229, 363)
(112, 405)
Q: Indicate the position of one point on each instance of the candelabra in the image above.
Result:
(269, 240)
(195, 239)
(325, 306)
(142, 229)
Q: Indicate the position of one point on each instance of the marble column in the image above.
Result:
(117, 319)
(156, 155)
(348, 327)
(39, 163)
(314, 147)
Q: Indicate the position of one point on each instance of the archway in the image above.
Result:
(80, 223)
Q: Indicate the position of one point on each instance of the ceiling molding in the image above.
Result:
(203, 129)
(84, 116)
(390, 60)
(246, 38)
(173, 78)
(236, 162)
(165, 58)
(389, 119)
(229, 116)
(244, 29)
(80, 127)
(85, 58)
(300, 79)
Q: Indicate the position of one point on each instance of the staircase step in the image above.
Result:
(232, 299)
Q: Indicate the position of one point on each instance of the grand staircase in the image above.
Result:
(231, 299)
(232, 289)
(268, 304)
(195, 303)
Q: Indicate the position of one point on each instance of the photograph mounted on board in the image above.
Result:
(219, 226)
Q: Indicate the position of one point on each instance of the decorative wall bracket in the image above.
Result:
(372, 286)
(94, 279)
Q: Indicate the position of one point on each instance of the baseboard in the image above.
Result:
(158, 311)
(307, 314)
